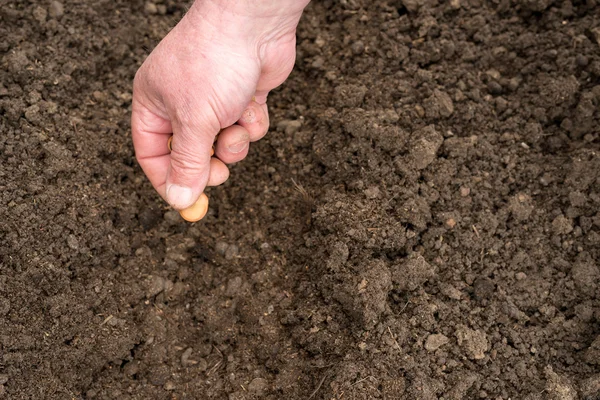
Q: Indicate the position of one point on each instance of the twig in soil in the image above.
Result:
(476, 232)
(106, 320)
(404, 308)
(394, 338)
(364, 379)
(307, 201)
(318, 386)
(218, 364)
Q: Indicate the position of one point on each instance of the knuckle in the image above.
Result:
(186, 161)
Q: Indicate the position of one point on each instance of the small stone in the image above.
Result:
(435, 341)
(156, 284)
(150, 8)
(169, 385)
(72, 242)
(358, 47)
(473, 342)
(455, 4)
(581, 60)
(520, 276)
(451, 223)
(465, 191)
(439, 105)
(423, 147)
(372, 192)
(131, 368)
(233, 286)
(40, 14)
(221, 248)
(56, 9)
(562, 225)
(450, 291)
(232, 252)
(99, 96)
(3, 379)
(32, 114)
(172, 217)
(289, 126)
(185, 357)
(202, 365)
(513, 84)
(258, 386)
(494, 88)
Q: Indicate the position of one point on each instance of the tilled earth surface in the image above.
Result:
(421, 223)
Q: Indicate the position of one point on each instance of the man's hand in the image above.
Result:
(213, 70)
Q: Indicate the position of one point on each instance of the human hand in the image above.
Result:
(213, 70)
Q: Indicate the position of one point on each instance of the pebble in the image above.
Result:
(562, 225)
(513, 84)
(56, 9)
(424, 146)
(150, 8)
(232, 252)
(582, 60)
(474, 343)
(358, 47)
(185, 357)
(451, 223)
(465, 191)
(72, 242)
(131, 368)
(156, 285)
(289, 126)
(450, 291)
(169, 385)
(520, 276)
(435, 341)
(172, 217)
(233, 286)
(221, 248)
(40, 14)
(258, 386)
(3, 379)
(439, 105)
(494, 87)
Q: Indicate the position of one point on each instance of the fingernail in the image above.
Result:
(179, 197)
(238, 147)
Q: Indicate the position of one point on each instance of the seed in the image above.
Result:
(197, 211)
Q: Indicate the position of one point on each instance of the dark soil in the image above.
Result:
(423, 221)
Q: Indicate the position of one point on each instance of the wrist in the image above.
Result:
(254, 22)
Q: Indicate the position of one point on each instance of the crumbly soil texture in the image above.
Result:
(421, 223)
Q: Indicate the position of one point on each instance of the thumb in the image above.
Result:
(190, 160)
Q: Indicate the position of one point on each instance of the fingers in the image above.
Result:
(219, 172)
(233, 144)
(255, 119)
